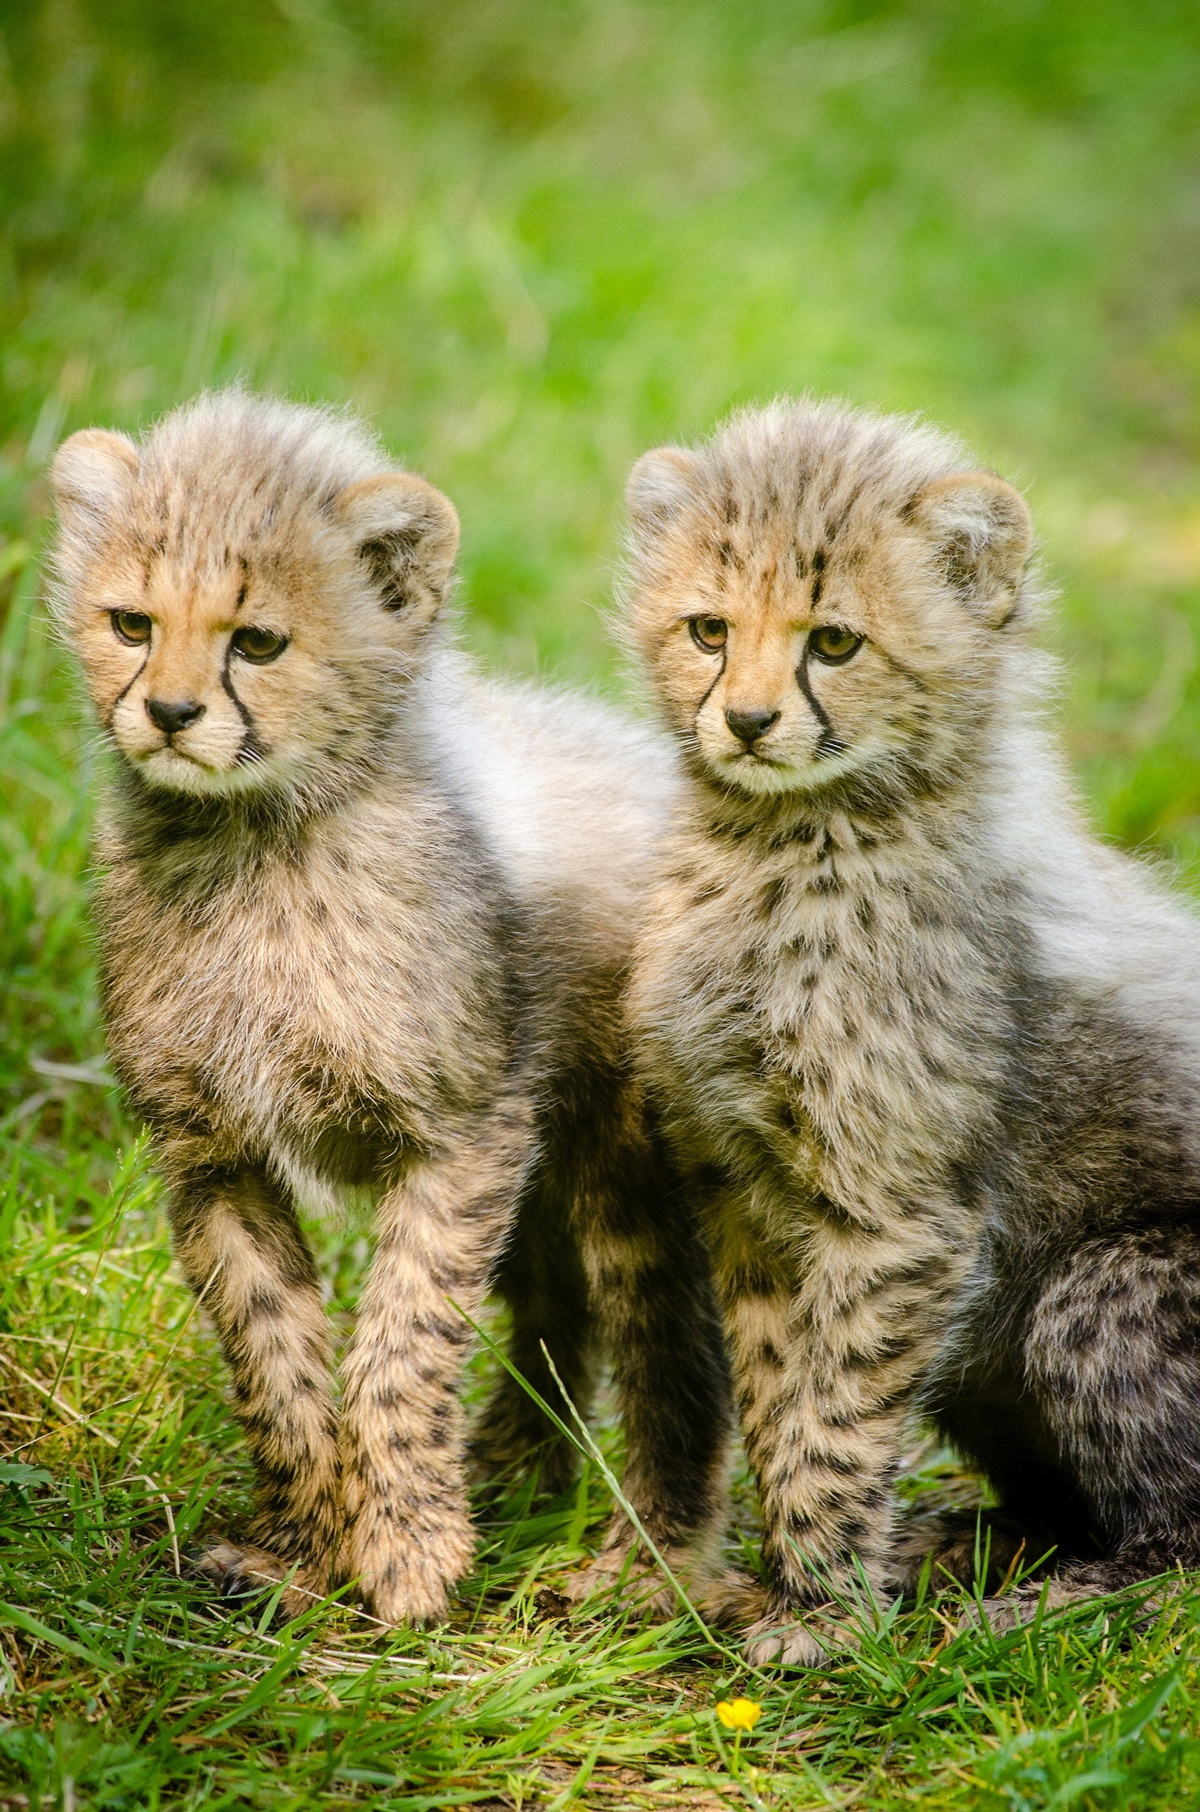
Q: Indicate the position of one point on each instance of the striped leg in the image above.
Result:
(242, 1251)
(827, 1365)
(440, 1233)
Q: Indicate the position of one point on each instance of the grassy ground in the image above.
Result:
(530, 239)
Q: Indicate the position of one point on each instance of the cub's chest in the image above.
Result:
(336, 1025)
(797, 1016)
(744, 998)
(763, 963)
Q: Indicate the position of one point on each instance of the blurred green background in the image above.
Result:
(531, 238)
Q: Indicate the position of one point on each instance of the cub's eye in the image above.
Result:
(833, 644)
(708, 633)
(260, 645)
(130, 626)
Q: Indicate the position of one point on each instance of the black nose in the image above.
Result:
(169, 717)
(748, 726)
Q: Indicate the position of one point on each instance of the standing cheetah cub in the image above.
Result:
(365, 919)
(933, 1051)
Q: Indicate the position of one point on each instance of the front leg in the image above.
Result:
(830, 1343)
(440, 1232)
(243, 1253)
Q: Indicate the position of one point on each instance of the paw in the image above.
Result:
(240, 1572)
(784, 1638)
(627, 1575)
(774, 1633)
(1080, 1585)
(733, 1600)
(405, 1575)
(1001, 1614)
(1019, 1607)
(632, 1581)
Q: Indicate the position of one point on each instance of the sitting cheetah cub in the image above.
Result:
(365, 919)
(932, 1050)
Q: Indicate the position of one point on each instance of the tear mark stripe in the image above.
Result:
(830, 742)
(126, 689)
(253, 748)
(717, 677)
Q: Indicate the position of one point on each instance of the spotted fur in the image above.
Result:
(931, 1050)
(365, 921)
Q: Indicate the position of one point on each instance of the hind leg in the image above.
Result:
(1113, 1354)
(541, 1279)
(650, 1281)
(963, 1547)
(1113, 1359)
(1040, 1521)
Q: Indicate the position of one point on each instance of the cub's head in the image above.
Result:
(821, 596)
(248, 590)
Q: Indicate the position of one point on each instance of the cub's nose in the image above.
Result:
(171, 717)
(748, 726)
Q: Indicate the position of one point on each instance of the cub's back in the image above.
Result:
(1107, 926)
(570, 796)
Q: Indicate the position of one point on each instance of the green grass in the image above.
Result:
(530, 240)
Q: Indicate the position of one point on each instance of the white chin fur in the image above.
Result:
(177, 773)
(763, 780)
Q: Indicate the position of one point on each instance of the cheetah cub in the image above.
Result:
(365, 918)
(930, 1049)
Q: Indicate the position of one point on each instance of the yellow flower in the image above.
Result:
(739, 1714)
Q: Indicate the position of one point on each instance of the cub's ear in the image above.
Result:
(982, 532)
(661, 483)
(91, 475)
(406, 535)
